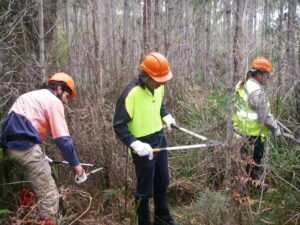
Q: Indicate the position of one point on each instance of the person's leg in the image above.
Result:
(258, 154)
(161, 181)
(144, 169)
(38, 172)
(142, 211)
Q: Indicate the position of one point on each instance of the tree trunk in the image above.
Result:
(207, 38)
(169, 30)
(42, 41)
(237, 56)
(156, 28)
(229, 134)
(264, 26)
(281, 59)
(125, 33)
(146, 26)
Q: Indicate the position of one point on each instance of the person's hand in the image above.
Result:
(79, 179)
(278, 132)
(169, 120)
(48, 159)
(80, 174)
(142, 149)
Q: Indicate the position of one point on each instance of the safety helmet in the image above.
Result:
(157, 67)
(65, 78)
(261, 63)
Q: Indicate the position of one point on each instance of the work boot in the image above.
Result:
(162, 214)
(142, 211)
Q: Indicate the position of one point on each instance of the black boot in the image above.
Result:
(142, 211)
(162, 214)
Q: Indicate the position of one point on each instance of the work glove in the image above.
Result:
(142, 149)
(48, 159)
(169, 120)
(79, 179)
(278, 132)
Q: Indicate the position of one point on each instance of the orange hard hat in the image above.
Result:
(261, 63)
(65, 78)
(157, 67)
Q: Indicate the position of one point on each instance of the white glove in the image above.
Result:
(142, 149)
(48, 159)
(169, 120)
(278, 132)
(82, 178)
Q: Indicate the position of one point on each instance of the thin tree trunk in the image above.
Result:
(96, 36)
(169, 31)
(280, 67)
(146, 26)
(264, 26)
(113, 22)
(237, 39)
(156, 28)
(228, 202)
(125, 33)
(42, 41)
(67, 27)
(207, 38)
(134, 31)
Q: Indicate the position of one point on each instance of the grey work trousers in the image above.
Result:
(37, 170)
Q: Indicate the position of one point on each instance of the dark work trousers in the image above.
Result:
(152, 175)
(255, 145)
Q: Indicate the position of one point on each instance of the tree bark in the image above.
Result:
(146, 26)
(125, 33)
(156, 28)
(229, 134)
(42, 41)
(169, 30)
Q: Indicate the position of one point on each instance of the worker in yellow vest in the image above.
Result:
(138, 124)
(252, 119)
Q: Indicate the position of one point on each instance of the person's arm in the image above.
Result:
(121, 119)
(258, 101)
(163, 111)
(61, 136)
(66, 147)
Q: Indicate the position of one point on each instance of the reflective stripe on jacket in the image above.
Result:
(245, 120)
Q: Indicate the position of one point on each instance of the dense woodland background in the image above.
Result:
(210, 45)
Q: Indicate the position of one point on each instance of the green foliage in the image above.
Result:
(108, 194)
(211, 204)
(11, 181)
(217, 101)
(4, 212)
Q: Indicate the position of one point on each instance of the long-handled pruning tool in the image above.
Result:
(65, 162)
(94, 171)
(83, 164)
(186, 147)
(203, 138)
(290, 134)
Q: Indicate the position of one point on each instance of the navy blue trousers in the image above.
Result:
(152, 175)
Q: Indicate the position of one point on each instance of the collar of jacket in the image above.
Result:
(140, 83)
(255, 81)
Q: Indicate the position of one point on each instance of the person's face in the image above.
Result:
(152, 84)
(63, 95)
(262, 77)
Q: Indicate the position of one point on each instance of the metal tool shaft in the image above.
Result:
(65, 162)
(185, 147)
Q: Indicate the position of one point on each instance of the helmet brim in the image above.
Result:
(164, 78)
